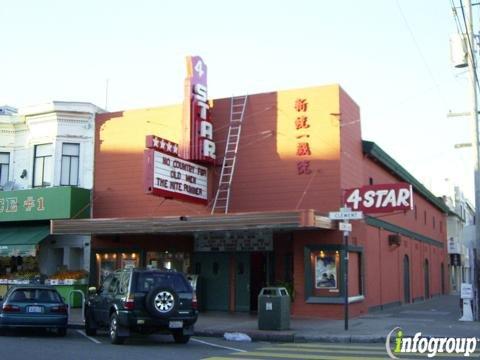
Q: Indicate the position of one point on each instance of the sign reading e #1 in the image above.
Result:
(380, 198)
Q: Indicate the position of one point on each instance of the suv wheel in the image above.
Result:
(113, 331)
(161, 301)
(180, 338)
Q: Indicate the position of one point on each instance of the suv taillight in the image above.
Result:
(194, 301)
(10, 308)
(129, 303)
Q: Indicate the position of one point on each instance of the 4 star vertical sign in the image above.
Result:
(197, 130)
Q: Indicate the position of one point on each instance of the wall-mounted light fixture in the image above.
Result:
(24, 174)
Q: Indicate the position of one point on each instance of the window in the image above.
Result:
(327, 265)
(70, 163)
(4, 167)
(149, 280)
(441, 226)
(425, 217)
(415, 212)
(324, 273)
(42, 165)
(433, 221)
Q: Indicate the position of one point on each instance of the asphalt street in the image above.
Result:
(39, 345)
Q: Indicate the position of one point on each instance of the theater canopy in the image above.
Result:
(281, 220)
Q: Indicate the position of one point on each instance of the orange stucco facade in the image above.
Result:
(288, 159)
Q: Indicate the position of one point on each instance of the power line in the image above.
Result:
(471, 53)
(437, 86)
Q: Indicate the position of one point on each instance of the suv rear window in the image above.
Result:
(150, 280)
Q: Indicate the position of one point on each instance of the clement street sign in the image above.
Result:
(351, 215)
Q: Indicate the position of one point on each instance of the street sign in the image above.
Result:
(352, 215)
(466, 291)
(344, 226)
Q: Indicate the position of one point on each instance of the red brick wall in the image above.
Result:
(351, 143)
(119, 164)
(384, 263)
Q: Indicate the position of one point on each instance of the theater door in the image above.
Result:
(213, 270)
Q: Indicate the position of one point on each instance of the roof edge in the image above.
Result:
(375, 151)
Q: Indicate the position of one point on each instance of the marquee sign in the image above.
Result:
(172, 177)
(239, 240)
(380, 198)
(198, 142)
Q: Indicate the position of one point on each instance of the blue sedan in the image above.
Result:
(34, 306)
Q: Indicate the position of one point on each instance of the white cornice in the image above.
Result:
(61, 106)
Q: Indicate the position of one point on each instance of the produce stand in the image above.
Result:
(5, 284)
(64, 287)
(68, 281)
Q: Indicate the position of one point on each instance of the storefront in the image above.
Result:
(28, 253)
(158, 172)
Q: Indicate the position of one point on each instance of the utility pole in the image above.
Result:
(474, 113)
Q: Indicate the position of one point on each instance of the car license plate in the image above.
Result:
(34, 309)
(175, 324)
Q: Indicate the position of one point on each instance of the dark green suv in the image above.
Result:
(143, 301)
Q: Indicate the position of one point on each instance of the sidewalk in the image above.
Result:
(436, 317)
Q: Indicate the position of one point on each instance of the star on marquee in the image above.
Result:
(169, 146)
(162, 144)
(175, 149)
(155, 142)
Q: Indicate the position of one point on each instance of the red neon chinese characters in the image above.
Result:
(303, 149)
(301, 123)
(303, 167)
(301, 105)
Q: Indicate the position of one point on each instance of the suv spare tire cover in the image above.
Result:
(161, 301)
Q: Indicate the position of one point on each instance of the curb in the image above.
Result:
(297, 338)
(254, 335)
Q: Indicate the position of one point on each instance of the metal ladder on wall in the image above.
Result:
(237, 112)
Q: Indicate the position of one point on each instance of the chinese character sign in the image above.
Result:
(302, 136)
(308, 132)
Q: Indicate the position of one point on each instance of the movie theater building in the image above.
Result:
(155, 202)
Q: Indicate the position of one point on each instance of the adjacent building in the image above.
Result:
(461, 235)
(46, 172)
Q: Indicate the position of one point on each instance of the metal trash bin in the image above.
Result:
(274, 309)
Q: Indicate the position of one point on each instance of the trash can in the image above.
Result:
(274, 309)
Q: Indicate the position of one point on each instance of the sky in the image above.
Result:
(391, 56)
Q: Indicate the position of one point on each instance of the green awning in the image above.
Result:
(21, 240)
